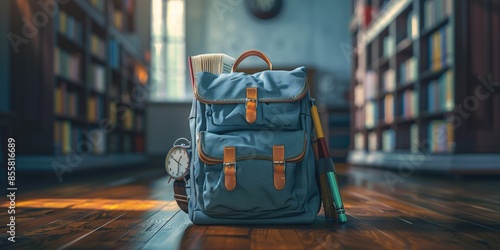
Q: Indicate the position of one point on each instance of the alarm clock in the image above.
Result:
(177, 161)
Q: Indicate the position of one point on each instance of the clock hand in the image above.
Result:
(178, 166)
(175, 159)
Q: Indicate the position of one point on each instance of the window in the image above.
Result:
(168, 51)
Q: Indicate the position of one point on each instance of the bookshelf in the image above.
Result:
(84, 93)
(412, 79)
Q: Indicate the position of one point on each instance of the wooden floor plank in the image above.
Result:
(455, 229)
(395, 222)
(275, 238)
(170, 235)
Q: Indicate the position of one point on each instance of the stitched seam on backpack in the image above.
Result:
(243, 157)
(240, 100)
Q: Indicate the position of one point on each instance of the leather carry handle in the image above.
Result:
(251, 53)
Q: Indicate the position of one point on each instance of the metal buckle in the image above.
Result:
(281, 162)
(230, 164)
(247, 100)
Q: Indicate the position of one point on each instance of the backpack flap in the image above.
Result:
(238, 101)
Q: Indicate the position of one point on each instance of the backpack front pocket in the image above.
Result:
(255, 194)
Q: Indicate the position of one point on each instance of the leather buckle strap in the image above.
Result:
(251, 105)
(229, 168)
(279, 167)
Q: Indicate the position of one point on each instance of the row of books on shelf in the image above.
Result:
(436, 10)
(408, 71)
(97, 78)
(113, 53)
(95, 108)
(368, 117)
(440, 139)
(97, 46)
(66, 137)
(130, 119)
(65, 102)
(71, 138)
(67, 64)
(440, 46)
(70, 27)
(440, 93)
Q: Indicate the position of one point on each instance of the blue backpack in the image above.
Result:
(252, 156)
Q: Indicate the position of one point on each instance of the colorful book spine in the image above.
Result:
(118, 19)
(412, 25)
(359, 122)
(440, 46)
(371, 114)
(359, 141)
(389, 108)
(113, 54)
(359, 95)
(389, 80)
(408, 71)
(370, 85)
(372, 141)
(410, 104)
(389, 45)
(97, 78)
(388, 140)
(128, 118)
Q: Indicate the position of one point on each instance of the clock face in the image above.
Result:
(177, 162)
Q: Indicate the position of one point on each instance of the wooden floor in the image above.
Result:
(134, 210)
